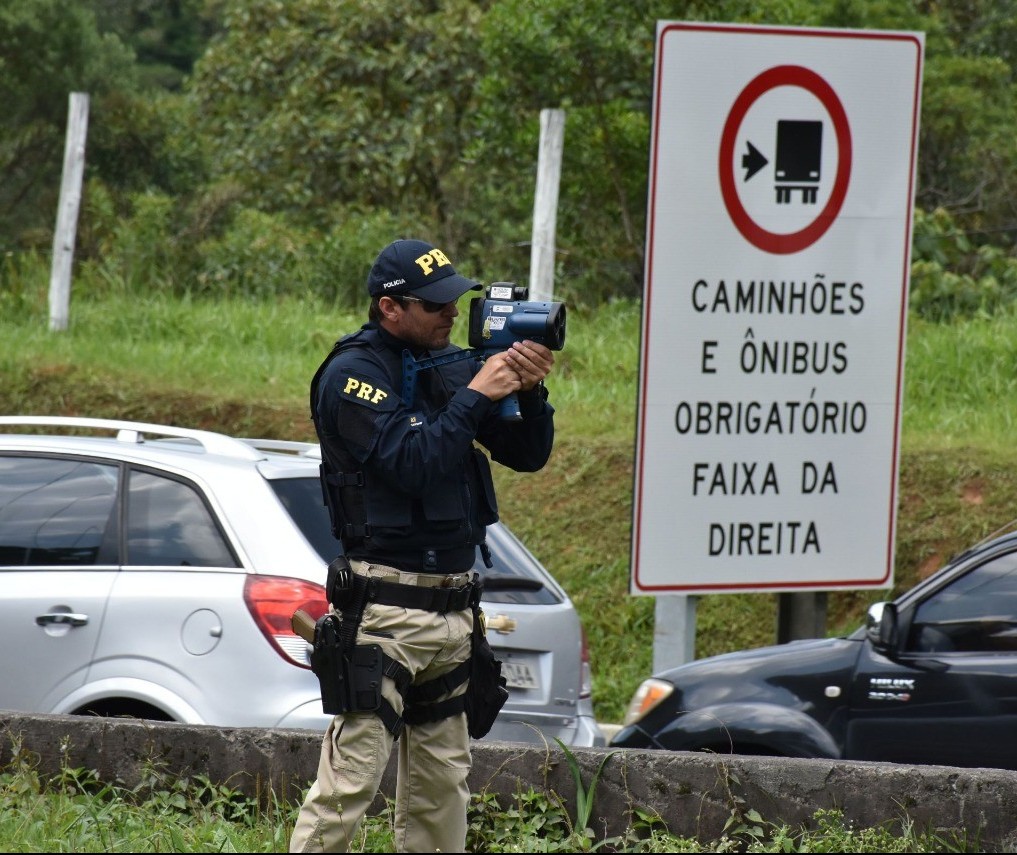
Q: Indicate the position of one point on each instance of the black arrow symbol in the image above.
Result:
(753, 161)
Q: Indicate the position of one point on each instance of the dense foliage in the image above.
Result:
(266, 147)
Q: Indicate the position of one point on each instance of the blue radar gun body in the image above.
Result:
(497, 321)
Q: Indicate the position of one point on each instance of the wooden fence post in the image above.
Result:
(545, 204)
(67, 212)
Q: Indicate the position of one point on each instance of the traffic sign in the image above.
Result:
(774, 312)
(803, 141)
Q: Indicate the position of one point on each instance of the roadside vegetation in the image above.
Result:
(242, 366)
(238, 185)
(261, 148)
(75, 812)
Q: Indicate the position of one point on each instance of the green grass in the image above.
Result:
(243, 368)
(265, 353)
(961, 383)
(257, 352)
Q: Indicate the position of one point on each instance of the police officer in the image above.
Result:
(410, 496)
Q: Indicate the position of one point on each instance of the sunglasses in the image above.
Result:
(428, 306)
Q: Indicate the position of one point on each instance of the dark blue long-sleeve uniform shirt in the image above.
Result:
(425, 485)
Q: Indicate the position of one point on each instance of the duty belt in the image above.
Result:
(432, 599)
(349, 591)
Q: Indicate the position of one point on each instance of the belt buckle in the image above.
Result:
(452, 581)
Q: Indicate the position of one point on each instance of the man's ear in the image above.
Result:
(390, 309)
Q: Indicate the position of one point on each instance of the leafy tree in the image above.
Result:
(51, 48)
(593, 61)
(345, 122)
(322, 104)
(167, 36)
(986, 28)
(967, 160)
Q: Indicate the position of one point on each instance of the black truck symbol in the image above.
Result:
(799, 149)
(799, 152)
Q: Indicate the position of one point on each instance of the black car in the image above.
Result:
(931, 678)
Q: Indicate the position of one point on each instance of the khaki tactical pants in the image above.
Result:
(432, 795)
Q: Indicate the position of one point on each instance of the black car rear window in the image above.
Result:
(514, 578)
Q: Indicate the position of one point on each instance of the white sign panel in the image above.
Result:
(782, 169)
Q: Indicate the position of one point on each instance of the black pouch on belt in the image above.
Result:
(486, 693)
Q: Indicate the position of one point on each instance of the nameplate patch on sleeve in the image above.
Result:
(360, 391)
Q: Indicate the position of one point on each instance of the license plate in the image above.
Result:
(519, 675)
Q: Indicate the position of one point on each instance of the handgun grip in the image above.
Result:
(303, 625)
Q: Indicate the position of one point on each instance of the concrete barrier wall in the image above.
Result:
(692, 793)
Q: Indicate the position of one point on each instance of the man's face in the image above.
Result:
(422, 329)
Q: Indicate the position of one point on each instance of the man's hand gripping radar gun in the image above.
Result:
(497, 321)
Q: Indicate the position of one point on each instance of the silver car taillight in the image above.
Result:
(272, 600)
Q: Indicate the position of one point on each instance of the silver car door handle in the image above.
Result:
(61, 617)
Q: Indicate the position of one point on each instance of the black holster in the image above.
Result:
(349, 675)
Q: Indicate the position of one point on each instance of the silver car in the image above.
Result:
(152, 571)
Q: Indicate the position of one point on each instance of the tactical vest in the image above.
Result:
(373, 518)
(342, 491)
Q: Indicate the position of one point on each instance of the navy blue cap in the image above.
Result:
(418, 268)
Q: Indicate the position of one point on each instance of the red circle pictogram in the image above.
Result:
(775, 242)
